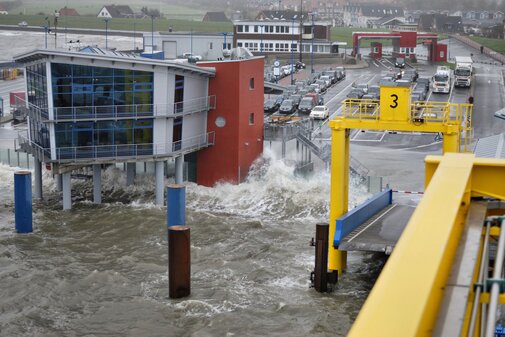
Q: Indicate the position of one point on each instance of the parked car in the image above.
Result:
(23, 24)
(411, 73)
(316, 87)
(279, 99)
(341, 70)
(314, 77)
(423, 81)
(320, 112)
(322, 85)
(421, 92)
(288, 69)
(327, 79)
(332, 74)
(400, 62)
(296, 99)
(374, 90)
(303, 92)
(191, 57)
(306, 105)
(287, 107)
(299, 65)
(318, 99)
(270, 105)
(361, 86)
(355, 94)
(372, 101)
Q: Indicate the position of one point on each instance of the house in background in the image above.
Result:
(215, 17)
(387, 22)
(286, 15)
(364, 15)
(440, 23)
(113, 11)
(3, 10)
(65, 11)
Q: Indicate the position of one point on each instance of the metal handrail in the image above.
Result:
(84, 153)
(135, 110)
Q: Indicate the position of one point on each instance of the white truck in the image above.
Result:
(442, 80)
(463, 71)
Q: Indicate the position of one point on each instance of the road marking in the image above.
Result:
(334, 97)
(371, 223)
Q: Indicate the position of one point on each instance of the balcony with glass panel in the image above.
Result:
(134, 111)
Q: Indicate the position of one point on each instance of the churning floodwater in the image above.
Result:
(102, 270)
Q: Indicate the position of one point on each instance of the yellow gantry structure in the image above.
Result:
(435, 282)
(406, 299)
(394, 112)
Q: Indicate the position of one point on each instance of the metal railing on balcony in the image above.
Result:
(136, 111)
(116, 152)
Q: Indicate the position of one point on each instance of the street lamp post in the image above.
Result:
(301, 31)
(46, 30)
(106, 31)
(312, 46)
(292, 49)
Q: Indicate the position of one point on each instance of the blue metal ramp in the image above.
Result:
(374, 226)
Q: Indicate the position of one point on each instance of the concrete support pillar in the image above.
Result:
(37, 174)
(179, 169)
(130, 173)
(67, 191)
(97, 184)
(59, 182)
(158, 171)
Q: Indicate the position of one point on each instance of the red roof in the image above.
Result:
(65, 11)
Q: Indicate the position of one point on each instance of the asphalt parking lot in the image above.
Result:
(399, 157)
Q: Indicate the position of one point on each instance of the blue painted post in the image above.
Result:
(176, 205)
(23, 201)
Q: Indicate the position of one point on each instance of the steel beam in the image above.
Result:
(337, 260)
(406, 297)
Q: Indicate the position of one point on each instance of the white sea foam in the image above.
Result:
(272, 190)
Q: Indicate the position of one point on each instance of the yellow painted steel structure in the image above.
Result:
(405, 300)
(395, 111)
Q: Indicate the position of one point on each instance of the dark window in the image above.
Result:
(251, 83)
(179, 93)
(251, 118)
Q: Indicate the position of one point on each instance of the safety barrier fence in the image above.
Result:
(12, 158)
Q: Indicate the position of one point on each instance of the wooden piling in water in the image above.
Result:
(179, 262)
(321, 265)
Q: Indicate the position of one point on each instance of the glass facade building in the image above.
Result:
(98, 111)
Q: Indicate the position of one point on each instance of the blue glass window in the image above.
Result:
(85, 91)
(36, 81)
(104, 139)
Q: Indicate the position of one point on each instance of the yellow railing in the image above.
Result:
(421, 112)
(361, 108)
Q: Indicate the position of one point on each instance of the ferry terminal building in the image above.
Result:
(97, 107)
